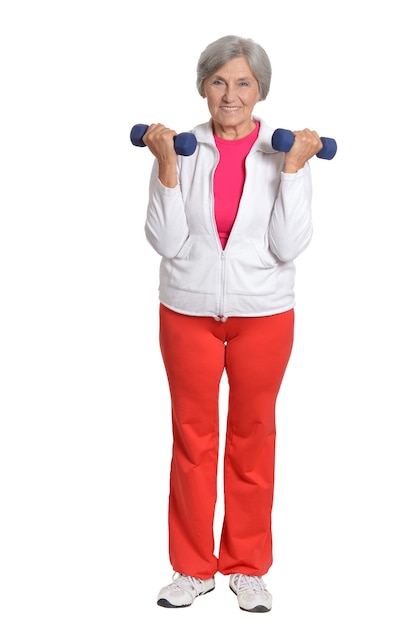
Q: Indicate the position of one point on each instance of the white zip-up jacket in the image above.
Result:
(254, 275)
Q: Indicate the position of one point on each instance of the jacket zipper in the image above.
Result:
(220, 317)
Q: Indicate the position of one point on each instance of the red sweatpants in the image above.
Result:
(254, 352)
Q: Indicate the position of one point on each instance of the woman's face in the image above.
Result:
(232, 93)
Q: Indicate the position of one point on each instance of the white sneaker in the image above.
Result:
(183, 591)
(251, 592)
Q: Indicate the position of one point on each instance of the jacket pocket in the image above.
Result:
(251, 271)
(195, 268)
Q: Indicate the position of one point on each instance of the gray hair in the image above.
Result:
(229, 47)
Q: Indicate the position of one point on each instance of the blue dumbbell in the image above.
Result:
(184, 143)
(282, 140)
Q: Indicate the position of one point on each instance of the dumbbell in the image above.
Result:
(184, 143)
(282, 140)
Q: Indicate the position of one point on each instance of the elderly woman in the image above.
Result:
(228, 222)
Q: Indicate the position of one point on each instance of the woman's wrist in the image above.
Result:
(168, 173)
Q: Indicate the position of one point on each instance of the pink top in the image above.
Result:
(229, 179)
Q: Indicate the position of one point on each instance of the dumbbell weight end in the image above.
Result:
(136, 135)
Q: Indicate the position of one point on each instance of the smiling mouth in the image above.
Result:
(231, 109)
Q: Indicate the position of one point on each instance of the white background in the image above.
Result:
(85, 418)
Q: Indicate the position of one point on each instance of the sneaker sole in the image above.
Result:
(167, 604)
(258, 609)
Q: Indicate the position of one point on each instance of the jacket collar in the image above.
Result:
(204, 134)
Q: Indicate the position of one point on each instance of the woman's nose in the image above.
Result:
(229, 94)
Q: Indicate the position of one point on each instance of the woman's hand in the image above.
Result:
(160, 141)
(306, 144)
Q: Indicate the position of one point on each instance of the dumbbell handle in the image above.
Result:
(184, 143)
(282, 140)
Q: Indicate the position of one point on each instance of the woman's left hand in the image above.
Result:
(306, 144)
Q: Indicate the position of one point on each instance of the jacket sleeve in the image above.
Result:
(166, 226)
(291, 228)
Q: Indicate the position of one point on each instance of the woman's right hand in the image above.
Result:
(160, 141)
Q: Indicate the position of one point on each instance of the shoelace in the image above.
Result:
(249, 583)
(181, 581)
